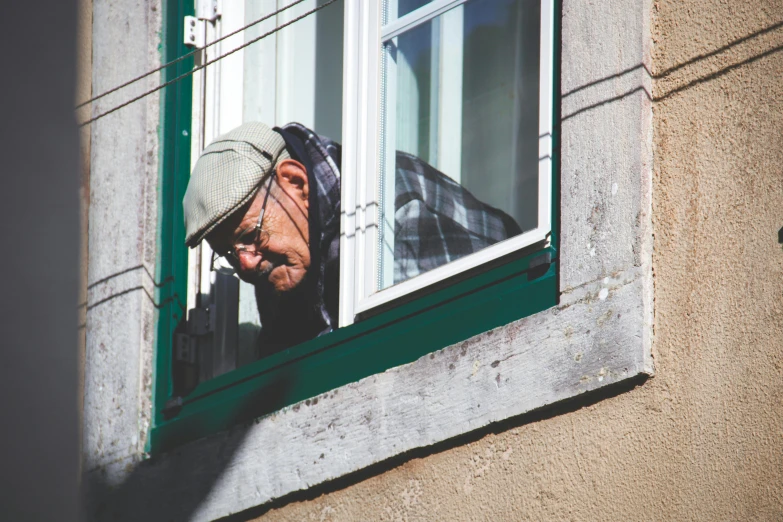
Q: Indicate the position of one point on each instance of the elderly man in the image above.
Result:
(268, 201)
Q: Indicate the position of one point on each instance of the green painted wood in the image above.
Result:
(361, 328)
(358, 351)
(172, 261)
(486, 300)
(556, 105)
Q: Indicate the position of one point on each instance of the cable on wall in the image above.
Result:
(202, 66)
(188, 55)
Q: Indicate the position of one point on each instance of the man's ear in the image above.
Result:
(292, 177)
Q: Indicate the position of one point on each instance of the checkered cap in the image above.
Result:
(227, 176)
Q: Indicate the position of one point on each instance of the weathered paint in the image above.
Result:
(504, 372)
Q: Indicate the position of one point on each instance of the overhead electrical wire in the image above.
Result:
(202, 66)
(188, 55)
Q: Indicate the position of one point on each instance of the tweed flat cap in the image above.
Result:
(227, 175)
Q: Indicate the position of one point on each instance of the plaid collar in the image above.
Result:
(321, 157)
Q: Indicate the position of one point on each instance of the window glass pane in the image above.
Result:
(399, 8)
(459, 135)
(296, 76)
(293, 76)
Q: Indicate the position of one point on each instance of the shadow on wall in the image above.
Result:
(561, 408)
(171, 489)
(167, 489)
(667, 80)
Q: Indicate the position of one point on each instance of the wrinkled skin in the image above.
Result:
(283, 261)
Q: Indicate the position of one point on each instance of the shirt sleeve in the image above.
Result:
(437, 221)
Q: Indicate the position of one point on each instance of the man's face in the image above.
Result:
(283, 259)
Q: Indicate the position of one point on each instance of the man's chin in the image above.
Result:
(258, 277)
(254, 278)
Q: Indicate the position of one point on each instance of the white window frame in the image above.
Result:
(361, 171)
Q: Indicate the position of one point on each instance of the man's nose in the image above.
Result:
(248, 261)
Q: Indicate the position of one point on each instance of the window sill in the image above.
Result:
(590, 340)
(394, 338)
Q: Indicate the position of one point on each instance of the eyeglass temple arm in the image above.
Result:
(266, 198)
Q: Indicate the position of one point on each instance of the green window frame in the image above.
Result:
(485, 298)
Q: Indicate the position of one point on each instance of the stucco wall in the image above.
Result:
(703, 439)
(83, 93)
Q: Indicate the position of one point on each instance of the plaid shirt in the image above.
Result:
(435, 220)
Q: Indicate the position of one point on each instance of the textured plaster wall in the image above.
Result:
(83, 92)
(703, 439)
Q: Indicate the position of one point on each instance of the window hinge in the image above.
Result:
(195, 33)
(189, 343)
(195, 26)
(201, 320)
(209, 9)
(185, 349)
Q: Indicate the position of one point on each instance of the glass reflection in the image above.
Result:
(461, 94)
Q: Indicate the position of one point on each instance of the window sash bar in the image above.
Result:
(415, 18)
(539, 235)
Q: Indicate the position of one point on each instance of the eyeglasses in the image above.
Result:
(248, 242)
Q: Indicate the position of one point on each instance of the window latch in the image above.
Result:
(172, 407)
(201, 321)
